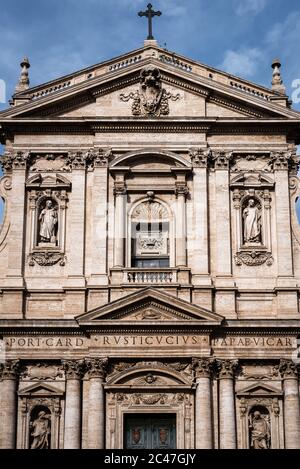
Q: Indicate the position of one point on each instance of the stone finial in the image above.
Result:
(277, 83)
(24, 82)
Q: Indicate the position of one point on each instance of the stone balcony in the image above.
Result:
(136, 276)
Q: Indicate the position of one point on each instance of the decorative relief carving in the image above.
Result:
(42, 372)
(46, 259)
(96, 367)
(151, 100)
(251, 163)
(253, 258)
(148, 399)
(183, 367)
(48, 162)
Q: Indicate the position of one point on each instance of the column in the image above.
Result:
(72, 431)
(289, 374)
(203, 399)
(120, 225)
(283, 215)
(223, 234)
(227, 417)
(200, 201)
(96, 419)
(77, 220)
(17, 217)
(100, 159)
(8, 412)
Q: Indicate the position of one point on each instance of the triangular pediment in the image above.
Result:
(197, 91)
(38, 389)
(259, 390)
(149, 306)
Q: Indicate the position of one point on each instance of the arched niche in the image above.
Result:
(40, 427)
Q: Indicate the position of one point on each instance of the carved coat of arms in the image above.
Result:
(151, 99)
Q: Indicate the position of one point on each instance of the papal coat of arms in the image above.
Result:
(151, 99)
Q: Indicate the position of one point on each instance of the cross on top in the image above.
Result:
(150, 13)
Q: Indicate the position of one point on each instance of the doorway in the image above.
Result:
(144, 431)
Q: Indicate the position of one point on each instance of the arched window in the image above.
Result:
(150, 235)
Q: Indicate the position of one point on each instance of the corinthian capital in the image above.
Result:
(202, 367)
(16, 160)
(77, 160)
(200, 157)
(10, 369)
(99, 157)
(73, 368)
(96, 367)
(226, 368)
(288, 369)
(222, 159)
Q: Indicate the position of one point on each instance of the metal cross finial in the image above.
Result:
(150, 14)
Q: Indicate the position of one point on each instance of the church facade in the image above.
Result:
(149, 259)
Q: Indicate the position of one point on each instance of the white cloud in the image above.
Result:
(244, 62)
(246, 7)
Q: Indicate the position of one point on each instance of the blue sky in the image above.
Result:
(61, 36)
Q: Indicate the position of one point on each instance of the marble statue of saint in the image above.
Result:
(260, 432)
(252, 229)
(41, 431)
(48, 221)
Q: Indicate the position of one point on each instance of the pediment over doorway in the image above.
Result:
(150, 306)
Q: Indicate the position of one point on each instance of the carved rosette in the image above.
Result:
(202, 367)
(226, 368)
(74, 369)
(288, 369)
(96, 367)
(200, 157)
(222, 159)
(46, 258)
(10, 369)
(253, 258)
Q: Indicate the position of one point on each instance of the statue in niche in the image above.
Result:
(252, 223)
(41, 431)
(48, 223)
(260, 431)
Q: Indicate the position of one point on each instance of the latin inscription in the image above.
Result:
(253, 342)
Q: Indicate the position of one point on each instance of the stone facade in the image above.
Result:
(149, 260)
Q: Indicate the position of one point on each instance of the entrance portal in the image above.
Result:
(144, 431)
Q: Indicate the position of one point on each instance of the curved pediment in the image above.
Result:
(140, 159)
(149, 306)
